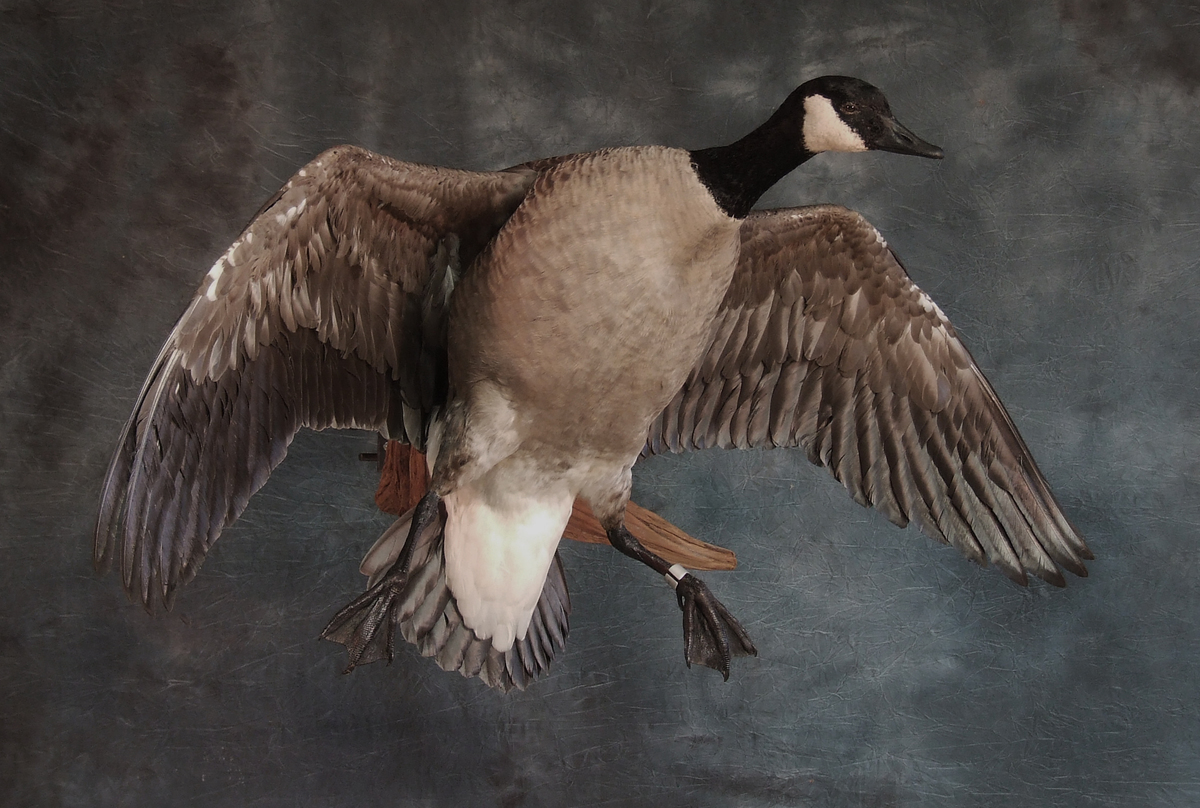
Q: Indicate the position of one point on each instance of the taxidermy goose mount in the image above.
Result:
(536, 330)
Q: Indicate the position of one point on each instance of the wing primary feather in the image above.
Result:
(984, 530)
(1034, 557)
(945, 521)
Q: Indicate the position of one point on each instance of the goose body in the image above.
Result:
(527, 336)
(535, 331)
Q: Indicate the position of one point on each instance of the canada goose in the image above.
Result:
(534, 330)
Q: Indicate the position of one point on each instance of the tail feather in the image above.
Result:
(428, 616)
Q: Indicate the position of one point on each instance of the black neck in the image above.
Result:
(738, 174)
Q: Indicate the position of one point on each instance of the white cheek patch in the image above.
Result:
(825, 131)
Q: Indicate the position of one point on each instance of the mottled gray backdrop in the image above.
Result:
(1061, 234)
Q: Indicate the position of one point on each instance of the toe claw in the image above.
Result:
(359, 624)
(686, 603)
(715, 638)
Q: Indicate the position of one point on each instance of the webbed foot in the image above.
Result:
(367, 625)
(711, 635)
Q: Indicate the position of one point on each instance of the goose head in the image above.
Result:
(830, 113)
(840, 113)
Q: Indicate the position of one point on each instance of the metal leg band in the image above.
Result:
(675, 575)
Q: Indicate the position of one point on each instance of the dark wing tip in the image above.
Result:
(1074, 566)
(1054, 577)
(1015, 574)
(102, 548)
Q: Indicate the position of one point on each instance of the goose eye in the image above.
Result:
(849, 108)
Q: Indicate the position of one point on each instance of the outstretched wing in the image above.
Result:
(824, 342)
(327, 311)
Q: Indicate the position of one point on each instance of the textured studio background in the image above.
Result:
(1061, 234)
